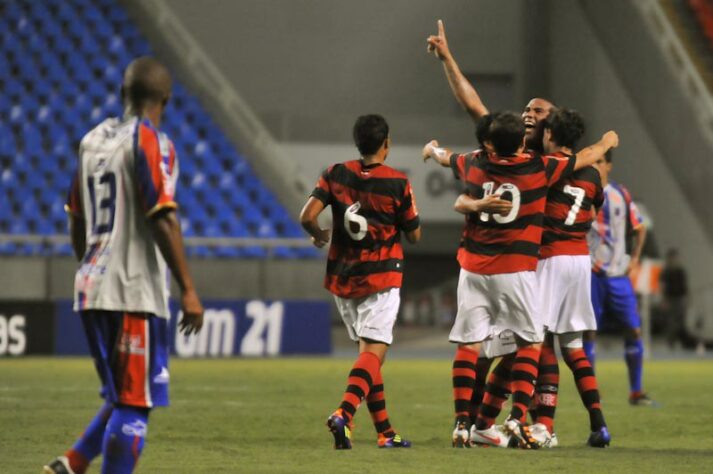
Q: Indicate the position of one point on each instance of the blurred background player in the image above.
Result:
(615, 244)
(125, 233)
(372, 204)
(504, 203)
(675, 294)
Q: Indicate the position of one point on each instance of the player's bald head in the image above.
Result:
(146, 81)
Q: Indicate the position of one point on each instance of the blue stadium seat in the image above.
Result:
(60, 69)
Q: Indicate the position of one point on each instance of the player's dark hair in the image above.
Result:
(482, 126)
(146, 81)
(566, 126)
(608, 155)
(369, 133)
(506, 133)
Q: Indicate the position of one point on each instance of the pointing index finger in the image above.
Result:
(441, 29)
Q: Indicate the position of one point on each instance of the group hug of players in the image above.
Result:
(529, 200)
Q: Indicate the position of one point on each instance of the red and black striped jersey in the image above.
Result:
(492, 243)
(568, 215)
(371, 206)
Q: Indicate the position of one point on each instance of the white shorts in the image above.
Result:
(566, 293)
(371, 317)
(500, 345)
(491, 304)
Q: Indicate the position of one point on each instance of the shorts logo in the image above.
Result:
(547, 399)
(137, 428)
(162, 376)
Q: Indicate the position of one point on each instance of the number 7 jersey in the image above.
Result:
(569, 213)
(127, 172)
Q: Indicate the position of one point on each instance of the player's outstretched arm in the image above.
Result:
(463, 90)
(308, 218)
(440, 155)
(167, 234)
(591, 154)
(77, 231)
(493, 204)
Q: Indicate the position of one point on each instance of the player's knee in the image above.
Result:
(633, 334)
(571, 341)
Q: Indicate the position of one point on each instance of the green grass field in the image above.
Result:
(268, 416)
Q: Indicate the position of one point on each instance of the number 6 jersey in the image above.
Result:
(495, 244)
(371, 205)
(127, 172)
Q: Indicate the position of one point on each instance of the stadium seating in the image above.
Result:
(60, 70)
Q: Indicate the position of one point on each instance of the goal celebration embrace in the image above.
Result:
(330, 236)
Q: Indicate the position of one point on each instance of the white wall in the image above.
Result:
(434, 207)
(309, 66)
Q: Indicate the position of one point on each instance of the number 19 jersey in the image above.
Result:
(491, 243)
(127, 172)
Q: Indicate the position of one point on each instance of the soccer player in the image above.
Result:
(125, 233)
(372, 205)
(613, 259)
(533, 114)
(564, 277)
(504, 204)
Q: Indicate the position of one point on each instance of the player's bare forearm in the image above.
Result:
(308, 218)
(463, 90)
(77, 230)
(466, 204)
(588, 156)
(440, 155)
(166, 231)
(167, 234)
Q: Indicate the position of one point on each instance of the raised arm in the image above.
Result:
(463, 90)
(166, 231)
(308, 218)
(588, 156)
(440, 155)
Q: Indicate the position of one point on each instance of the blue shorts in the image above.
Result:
(614, 302)
(130, 352)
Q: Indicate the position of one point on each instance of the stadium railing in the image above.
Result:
(680, 62)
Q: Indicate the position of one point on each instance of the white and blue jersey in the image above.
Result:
(610, 235)
(609, 247)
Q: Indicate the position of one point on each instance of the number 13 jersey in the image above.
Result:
(127, 172)
(371, 206)
(495, 244)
